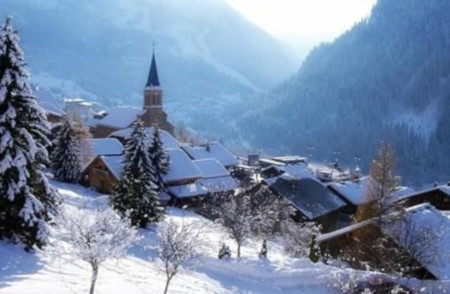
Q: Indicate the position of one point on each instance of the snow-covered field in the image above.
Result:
(137, 272)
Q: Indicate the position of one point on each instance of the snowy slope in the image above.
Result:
(24, 273)
(21, 272)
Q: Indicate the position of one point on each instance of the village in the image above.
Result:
(326, 195)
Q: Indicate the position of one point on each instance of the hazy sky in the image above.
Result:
(304, 22)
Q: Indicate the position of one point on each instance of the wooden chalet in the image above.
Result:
(182, 181)
(421, 218)
(438, 196)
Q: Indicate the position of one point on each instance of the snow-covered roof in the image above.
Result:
(445, 189)
(211, 168)
(290, 159)
(212, 150)
(420, 222)
(225, 183)
(425, 219)
(215, 177)
(106, 146)
(121, 117)
(355, 191)
(308, 195)
(298, 171)
(344, 231)
(188, 190)
(169, 142)
(114, 164)
(181, 167)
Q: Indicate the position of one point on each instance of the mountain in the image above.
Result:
(386, 79)
(209, 57)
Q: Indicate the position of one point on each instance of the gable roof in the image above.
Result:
(114, 164)
(181, 167)
(445, 189)
(355, 191)
(211, 168)
(106, 146)
(120, 117)
(212, 150)
(308, 195)
(215, 177)
(169, 142)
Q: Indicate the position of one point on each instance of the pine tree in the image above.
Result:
(136, 195)
(27, 201)
(159, 157)
(67, 157)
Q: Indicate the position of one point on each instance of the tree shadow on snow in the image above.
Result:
(16, 263)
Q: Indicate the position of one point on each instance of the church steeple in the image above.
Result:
(152, 90)
(153, 79)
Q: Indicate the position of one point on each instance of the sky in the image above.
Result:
(304, 23)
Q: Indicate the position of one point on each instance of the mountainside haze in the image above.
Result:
(387, 79)
(209, 57)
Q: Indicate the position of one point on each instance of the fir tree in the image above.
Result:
(67, 157)
(136, 195)
(27, 201)
(159, 158)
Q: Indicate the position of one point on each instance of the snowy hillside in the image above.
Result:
(21, 272)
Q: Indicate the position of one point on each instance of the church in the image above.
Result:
(152, 112)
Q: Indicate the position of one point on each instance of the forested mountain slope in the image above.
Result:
(388, 78)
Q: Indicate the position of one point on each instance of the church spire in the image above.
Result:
(153, 79)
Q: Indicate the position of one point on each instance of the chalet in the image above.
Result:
(212, 150)
(438, 196)
(54, 114)
(152, 112)
(102, 173)
(182, 181)
(310, 198)
(432, 258)
(215, 177)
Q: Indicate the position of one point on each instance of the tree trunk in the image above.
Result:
(239, 250)
(167, 284)
(94, 277)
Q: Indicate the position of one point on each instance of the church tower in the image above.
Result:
(153, 111)
(153, 91)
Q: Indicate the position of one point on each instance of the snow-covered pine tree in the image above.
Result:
(159, 158)
(67, 157)
(136, 195)
(27, 201)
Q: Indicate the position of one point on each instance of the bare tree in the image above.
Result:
(93, 236)
(234, 215)
(179, 245)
